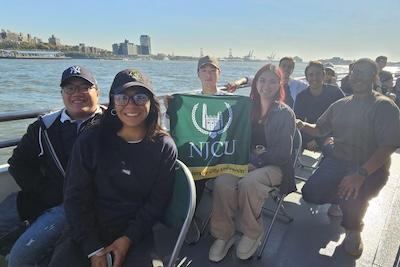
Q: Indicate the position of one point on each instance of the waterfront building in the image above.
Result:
(138, 49)
(145, 45)
(91, 49)
(116, 49)
(128, 49)
(82, 48)
(125, 49)
(9, 36)
(54, 41)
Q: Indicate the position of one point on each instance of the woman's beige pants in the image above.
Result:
(245, 197)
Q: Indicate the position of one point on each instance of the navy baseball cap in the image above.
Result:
(77, 71)
(129, 78)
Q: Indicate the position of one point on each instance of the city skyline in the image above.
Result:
(309, 29)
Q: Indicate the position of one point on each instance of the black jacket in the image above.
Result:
(33, 167)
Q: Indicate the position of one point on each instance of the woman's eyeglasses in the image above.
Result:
(72, 89)
(138, 99)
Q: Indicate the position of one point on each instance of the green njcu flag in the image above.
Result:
(212, 133)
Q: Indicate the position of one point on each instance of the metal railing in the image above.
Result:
(32, 114)
(20, 115)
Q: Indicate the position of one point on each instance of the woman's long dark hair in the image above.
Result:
(255, 96)
(112, 124)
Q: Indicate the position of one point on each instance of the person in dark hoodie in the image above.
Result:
(37, 165)
(119, 181)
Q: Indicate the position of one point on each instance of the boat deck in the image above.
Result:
(315, 239)
(312, 238)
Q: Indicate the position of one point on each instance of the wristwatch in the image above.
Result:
(362, 172)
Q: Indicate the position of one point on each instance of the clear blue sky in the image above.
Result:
(310, 29)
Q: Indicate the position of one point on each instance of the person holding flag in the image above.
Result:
(208, 72)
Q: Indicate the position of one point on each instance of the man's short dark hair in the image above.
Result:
(314, 63)
(290, 59)
(373, 65)
(381, 58)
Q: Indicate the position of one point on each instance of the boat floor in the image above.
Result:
(312, 238)
(315, 239)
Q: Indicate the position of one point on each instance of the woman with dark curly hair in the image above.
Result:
(119, 181)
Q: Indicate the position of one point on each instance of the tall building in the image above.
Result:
(54, 41)
(145, 45)
(116, 48)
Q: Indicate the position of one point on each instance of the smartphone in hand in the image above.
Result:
(109, 260)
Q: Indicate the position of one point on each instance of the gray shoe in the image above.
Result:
(193, 234)
(353, 244)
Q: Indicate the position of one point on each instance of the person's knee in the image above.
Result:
(222, 187)
(246, 185)
(311, 194)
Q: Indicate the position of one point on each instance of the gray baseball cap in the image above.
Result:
(208, 60)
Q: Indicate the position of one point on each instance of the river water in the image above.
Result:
(34, 84)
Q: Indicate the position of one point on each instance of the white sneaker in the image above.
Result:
(247, 247)
(335, 211)
(220, 248)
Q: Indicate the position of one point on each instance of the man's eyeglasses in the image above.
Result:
(139, 99)
(72, 89)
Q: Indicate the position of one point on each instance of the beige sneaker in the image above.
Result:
(247, 247)
(220, 248)
(353, 243)
(335, 211)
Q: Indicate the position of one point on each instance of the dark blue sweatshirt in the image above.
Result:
(114, 188)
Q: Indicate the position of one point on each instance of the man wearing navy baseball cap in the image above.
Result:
(38, 166)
